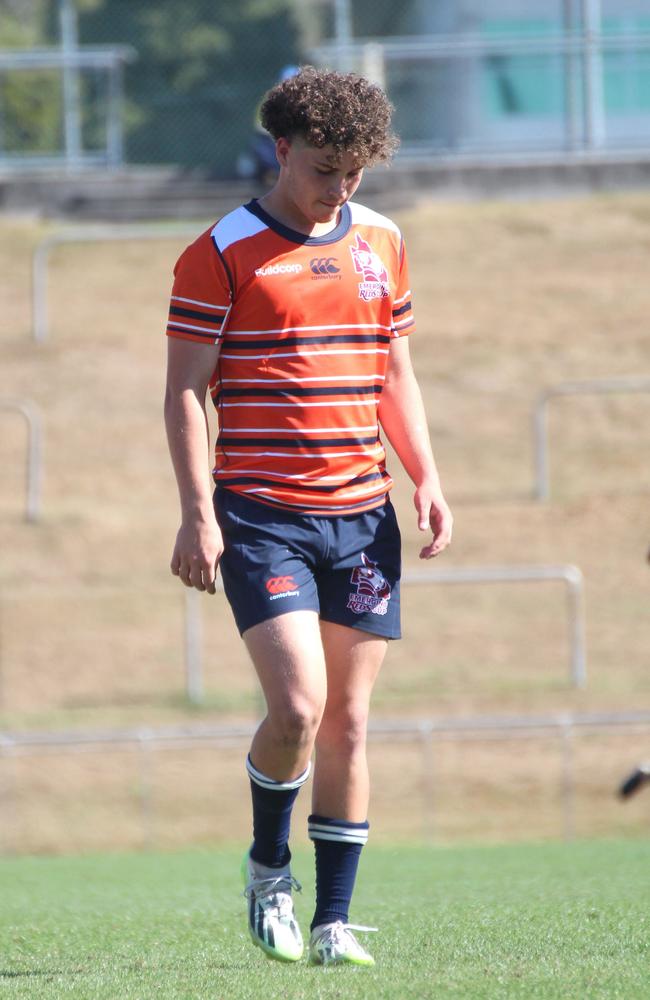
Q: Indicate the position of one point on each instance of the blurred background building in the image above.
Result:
(103, 83)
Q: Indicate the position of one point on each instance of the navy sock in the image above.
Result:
(338, 845)
(272, 805)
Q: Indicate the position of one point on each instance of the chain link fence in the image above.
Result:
(87, 82)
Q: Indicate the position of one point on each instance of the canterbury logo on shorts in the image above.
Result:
(281, 585)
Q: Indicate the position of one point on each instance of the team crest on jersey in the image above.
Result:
(374, 281)
(373, 589)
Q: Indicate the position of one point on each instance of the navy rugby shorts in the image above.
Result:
(346, 567)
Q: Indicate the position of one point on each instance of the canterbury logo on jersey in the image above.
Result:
(324, 265)
(263, 272)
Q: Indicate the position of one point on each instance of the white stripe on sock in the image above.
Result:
(343, 834)
(275, 786)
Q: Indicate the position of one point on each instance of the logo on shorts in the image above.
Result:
(374, 283)
(373, 589)
(282, 586)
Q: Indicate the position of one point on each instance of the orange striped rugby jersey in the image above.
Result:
(304, 326)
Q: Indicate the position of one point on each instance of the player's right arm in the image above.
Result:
(199, 544)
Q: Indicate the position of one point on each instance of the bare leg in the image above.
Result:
(288, 656)
(341, 786)
(290, 663)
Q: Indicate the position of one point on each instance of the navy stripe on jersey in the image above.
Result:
(224, 264)
(324, 509)
(352, 338)
(195, 314)
(224, 441)
(344, 390)
(304, 487)
(402, 309)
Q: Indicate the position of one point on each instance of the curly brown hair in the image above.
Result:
(325, 108)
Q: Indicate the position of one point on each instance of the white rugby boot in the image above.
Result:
(335, 944)
(271, 920)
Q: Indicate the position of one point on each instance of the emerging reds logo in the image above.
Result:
(374, 283)
(373, 589)
(282, 586)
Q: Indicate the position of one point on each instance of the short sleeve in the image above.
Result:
(201, 298)
(402, 321)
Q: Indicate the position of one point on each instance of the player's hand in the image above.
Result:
(197, 552)
(433, 515)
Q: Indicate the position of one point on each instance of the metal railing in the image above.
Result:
(582, 48)
(147, 741)
(70, 62)
(34, 464)
(190, 639)
(591, 387)
(100, 234)
(569, 575)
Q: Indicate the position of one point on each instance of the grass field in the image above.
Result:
(531, 922)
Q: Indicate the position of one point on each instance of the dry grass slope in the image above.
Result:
(509, 298)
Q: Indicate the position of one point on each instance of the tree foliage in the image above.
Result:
(191, 92)
(201, 67)
(30, 100)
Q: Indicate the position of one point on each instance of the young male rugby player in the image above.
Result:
(294, 312)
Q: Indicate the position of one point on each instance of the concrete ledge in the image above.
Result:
(140, 193)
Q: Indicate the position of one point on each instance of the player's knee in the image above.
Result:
(296, 723)
(344, 728)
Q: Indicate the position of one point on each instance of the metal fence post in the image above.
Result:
(428, 784)
(114, 126)
(593, 75)
(374, 64)
(8, 788)
(576, 601)
(34, 465)
(71, 95)
(343, 33)
(145, 791)
(540, 447)
(571, 93)
(568, 780)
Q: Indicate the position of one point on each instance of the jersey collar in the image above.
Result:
(336, 234)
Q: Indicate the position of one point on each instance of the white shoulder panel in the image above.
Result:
(367, 217)
(237, 225)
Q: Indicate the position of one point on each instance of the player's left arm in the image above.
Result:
(402, 417)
